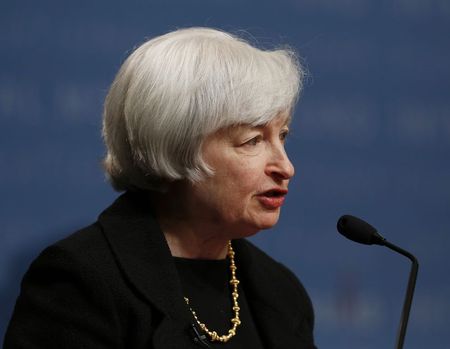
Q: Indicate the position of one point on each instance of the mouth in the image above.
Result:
(272, 199)
(275, 193)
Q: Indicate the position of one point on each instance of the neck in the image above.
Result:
(188, 234)
(190, 245)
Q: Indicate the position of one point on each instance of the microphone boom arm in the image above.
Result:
(409, 291)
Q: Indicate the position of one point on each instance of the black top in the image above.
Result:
(205, 283)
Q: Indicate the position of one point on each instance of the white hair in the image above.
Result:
(176, 89)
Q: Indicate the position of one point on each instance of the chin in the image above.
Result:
(253, 229)
(255, 224)
(268, 220)
(267, 225)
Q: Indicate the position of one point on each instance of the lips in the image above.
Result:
(273, 198)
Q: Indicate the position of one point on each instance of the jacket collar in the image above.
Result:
(143, 254)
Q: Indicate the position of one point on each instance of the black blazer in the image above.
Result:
(114, 285)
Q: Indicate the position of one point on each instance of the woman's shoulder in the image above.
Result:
(81, 261)
(85, 246)
(82, 238)
(94, 244)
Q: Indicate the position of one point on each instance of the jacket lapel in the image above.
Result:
(144, 258)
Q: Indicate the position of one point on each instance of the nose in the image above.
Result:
(280, 167)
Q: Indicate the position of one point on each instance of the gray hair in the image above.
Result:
(176, 89)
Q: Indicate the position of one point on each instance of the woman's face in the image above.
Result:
(250, 180)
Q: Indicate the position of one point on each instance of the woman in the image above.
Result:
(194, 124)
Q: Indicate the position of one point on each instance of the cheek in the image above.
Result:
(241, 192)
(231, 187)
(239, 177)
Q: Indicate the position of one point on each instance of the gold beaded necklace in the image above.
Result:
(213, 336)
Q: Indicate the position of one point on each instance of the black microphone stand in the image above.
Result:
(409, 291)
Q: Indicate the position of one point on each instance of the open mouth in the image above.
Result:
(275, 193)
(273, 199)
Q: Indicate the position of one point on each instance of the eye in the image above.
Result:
(284, 135)
(253, 141)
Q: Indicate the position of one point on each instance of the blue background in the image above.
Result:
(371, 137)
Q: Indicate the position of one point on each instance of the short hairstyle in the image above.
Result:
(176, 89)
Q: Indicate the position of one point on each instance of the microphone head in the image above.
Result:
(356, 229)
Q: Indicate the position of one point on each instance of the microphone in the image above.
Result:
(362, 232)
(198, 337)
